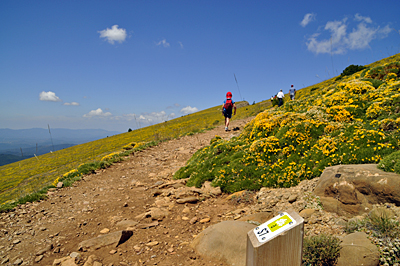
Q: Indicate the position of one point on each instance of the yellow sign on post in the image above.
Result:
(278, 241)
(274, 227)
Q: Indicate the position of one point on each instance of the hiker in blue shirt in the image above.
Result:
(292, 92)
(227, 107)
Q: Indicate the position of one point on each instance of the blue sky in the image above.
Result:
(125, 64)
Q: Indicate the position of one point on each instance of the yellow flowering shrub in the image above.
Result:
(129, 146)
(347, 122)
(376, 109)
(327, 145)
(70, 172)
(391, 77)
(339, 113)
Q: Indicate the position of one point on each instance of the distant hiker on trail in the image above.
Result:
(227, 107)
(292, 92)
(280, 96)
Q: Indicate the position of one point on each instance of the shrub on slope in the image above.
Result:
(347, 122)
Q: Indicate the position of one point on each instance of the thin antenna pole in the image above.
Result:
(134, 115)
(51, 136)
(333, 69)
(238, 87)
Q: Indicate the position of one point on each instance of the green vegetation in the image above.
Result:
(377, 223)
(350, 70)
(346, 122)
(381, 226)
(390, 251)
(30, 179)
(391, 163)
(321, 250)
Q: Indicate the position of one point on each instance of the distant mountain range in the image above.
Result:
(16, 145)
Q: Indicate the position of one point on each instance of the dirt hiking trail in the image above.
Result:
(110, 200)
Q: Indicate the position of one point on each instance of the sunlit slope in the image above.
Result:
(345, 120)
(28, 176)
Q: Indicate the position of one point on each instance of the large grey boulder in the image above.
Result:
(353, 189)
(357, 250)
(225, 241)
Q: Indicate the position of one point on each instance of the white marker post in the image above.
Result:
(278, 242)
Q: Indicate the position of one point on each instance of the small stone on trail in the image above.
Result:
(205, 220)
(18, 262)
(145, 226)
(44, 250)
(237, 217)
(306, 213)
(39, 258)
(152, 244)
(75, 255)
(113, 251)
(158, 183)
(105, 231)
(187, 200)
(127, 223)
(193, 220)
(292, 198)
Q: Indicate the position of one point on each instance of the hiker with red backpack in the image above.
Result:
(227, 107)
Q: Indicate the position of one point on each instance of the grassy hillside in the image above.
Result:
(351, 119)
(27, 177)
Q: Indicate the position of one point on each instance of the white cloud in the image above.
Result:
(307, 19)
(163, 43)
(175, 105)
(189, 110)
(154, 117)
(97, 113)
(361, 37)
(180, 44)
(49, 96)
(129, 117)
(358, 17)
(114, 34)
(340, 40)
(72, 103)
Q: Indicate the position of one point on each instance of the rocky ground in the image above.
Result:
(133, 213)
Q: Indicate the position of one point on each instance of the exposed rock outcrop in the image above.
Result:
(353, 189)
